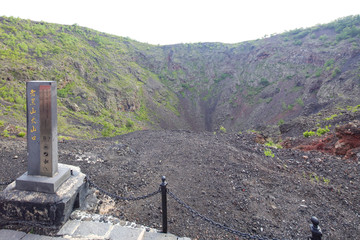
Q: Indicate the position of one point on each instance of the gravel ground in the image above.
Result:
(226, 177)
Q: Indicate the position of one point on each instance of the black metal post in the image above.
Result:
(316, 233)
(164, 203)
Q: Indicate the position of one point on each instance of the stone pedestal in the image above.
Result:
(45, 208)
(41, 183)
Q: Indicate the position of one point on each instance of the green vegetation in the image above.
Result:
(318, 72)
(66, 91)
(129, 124)
(269, 153)
(88, 67)
(346, 28)
(222, 129)
(5, 133)
(287, 107)
(353, 108)
(252, 131)
(109, 85)
(335, 72)
(21, 134)
(62, 138)
(281, 122)
(323, 38)
(298, 42)
(313, 177)
(326, 180)
(308, 134)
(7, 93)
(296, 88)
(264, 82)
(222, 77)
(329, 64)
(270, 143)
(300, 101)
(322, 131)
(331, 117)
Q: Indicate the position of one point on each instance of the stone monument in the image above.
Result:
(43, 173)
(48, 192)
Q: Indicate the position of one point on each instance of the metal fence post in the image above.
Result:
(316, 233)
(164, 203)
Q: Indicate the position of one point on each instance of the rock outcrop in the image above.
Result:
(344, 142)
(349, 140)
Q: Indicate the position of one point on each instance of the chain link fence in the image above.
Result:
(117, 197)
(316, 231)
(214, 223)
(182, 203)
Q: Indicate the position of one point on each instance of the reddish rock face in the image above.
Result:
(260, 139)
(353, 153)
(325, 144)
(345, 142)
(349, 139)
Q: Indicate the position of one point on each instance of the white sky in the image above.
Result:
(184, 21)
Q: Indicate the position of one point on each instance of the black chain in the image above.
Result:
(5, 183)
(177, 199)
(216, 224)
(114, 196)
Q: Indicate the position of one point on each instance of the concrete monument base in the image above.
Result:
(45, 208)
(41, 183)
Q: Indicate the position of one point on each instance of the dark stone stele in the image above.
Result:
(48, 192)
(43, 173)
(42, 127)
(45, 208)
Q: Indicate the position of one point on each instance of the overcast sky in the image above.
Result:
(184, 21)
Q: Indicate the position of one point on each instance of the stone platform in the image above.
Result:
(44, 208)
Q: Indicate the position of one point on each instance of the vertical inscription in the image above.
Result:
(45, 130)
(33, 128)
(42, 128)
(32, 112)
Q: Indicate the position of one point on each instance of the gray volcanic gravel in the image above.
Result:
(226, 177)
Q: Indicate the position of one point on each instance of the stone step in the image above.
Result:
(98, 230)
(161, 236)
(10, 234)
(6, 234)
(90, 230)
(81, 230)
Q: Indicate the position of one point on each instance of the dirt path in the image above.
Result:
(226, 177)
